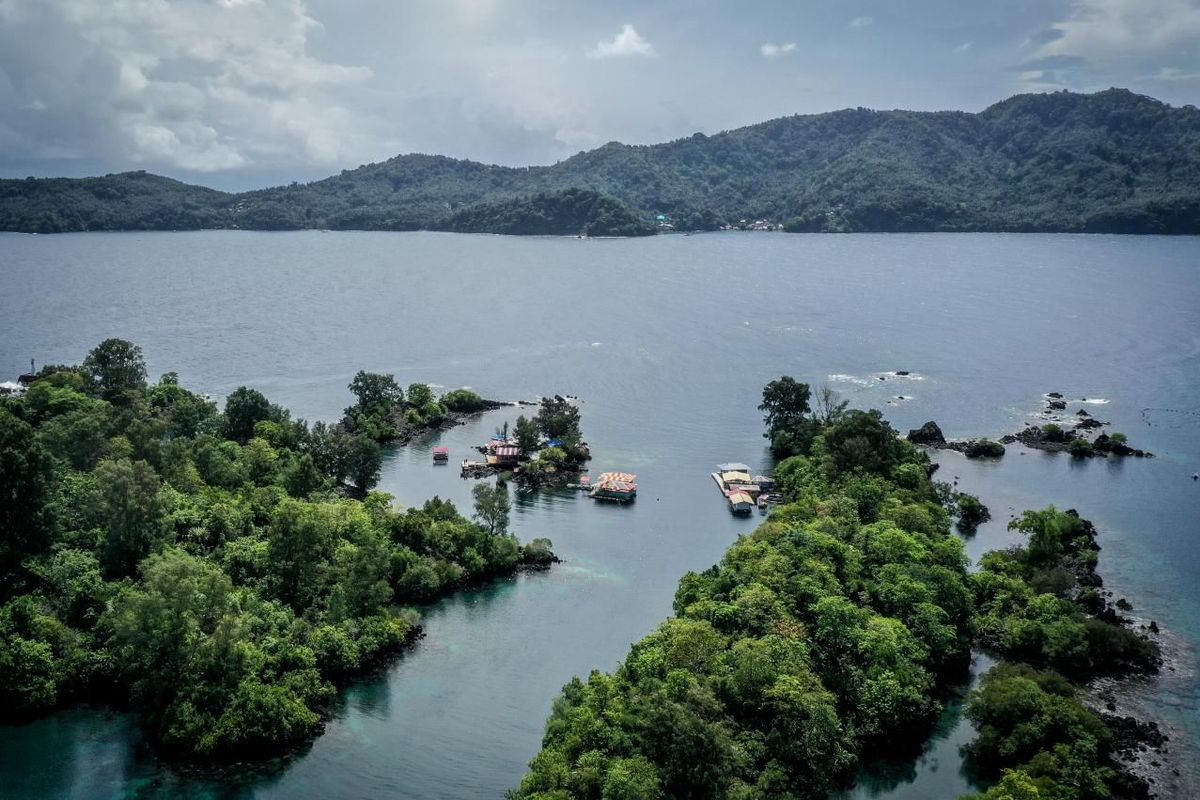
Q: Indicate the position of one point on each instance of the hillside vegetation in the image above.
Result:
(1112, 161)
(221, 572)
(828, 638)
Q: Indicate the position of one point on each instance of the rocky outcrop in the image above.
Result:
(928, 434)
(983, 448)
(1053, 439)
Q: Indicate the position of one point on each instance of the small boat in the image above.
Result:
(762, 503)
(441, 454)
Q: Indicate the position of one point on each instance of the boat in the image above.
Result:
(617, 487)
(441, 454)
(762, 503)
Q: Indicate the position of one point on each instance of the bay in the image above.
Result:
(668, 342)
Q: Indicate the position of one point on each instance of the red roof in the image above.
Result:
(508, 451)
(441, 449)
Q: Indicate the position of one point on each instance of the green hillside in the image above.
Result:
(1112, 161)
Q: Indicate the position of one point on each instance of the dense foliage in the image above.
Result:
(1038, 605)
(1112, 161)
(385, 412)
(211, 569)
(817, 640)
(828, 635)
(572, 211)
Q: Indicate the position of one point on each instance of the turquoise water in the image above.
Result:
(668, 341)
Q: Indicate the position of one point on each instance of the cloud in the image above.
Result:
(963, 48)
(1109, 30)
(626, 43)
(1051, 72)
(775, 50)
(861, 22)
(1173, 74)
(1053, 62)
(193, 85)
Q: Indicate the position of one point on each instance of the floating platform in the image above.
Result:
(476, 469)
(615, 487)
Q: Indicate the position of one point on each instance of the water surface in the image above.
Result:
(668, 341)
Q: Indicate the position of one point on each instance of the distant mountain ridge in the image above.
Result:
(1112, 161)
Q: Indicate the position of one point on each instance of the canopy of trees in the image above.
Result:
(828, 636)
(1112, 161)
(212, 570)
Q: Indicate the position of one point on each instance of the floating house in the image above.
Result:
(441, 454)
(503, 456)
(735, 476)
(740, 503)
(618, 487)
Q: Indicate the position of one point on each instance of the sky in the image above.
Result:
(245, 93)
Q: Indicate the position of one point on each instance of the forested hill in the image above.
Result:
(1112, 161)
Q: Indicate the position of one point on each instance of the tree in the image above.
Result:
(301, 541)
(419, 395)
(1049, 531)
(631, 779)
(328, 445)
(462, 400)
(862, 440)
(784, 403)
(133, 511)
(364, 459)
(26, 486)
(179, 598)
(971, 512)
(558, 419)
(492, 507)
(376, 391)
(245, 408)
(828, 405)
(115, 366)
(526, 431)
(785, 413)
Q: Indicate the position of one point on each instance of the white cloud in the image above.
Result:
(193, 85)
(626, 43)
(775, 50)
(1108, 30)
(861, 22)
(963, 48)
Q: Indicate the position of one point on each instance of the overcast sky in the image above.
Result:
(243, 93)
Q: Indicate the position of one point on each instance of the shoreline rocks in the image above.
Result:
(1071, 436)
(928, 434)
(1053, 439)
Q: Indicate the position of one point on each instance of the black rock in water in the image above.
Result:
(928, 434)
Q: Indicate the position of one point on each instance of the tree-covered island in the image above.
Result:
(218, 571)
(831, 634)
